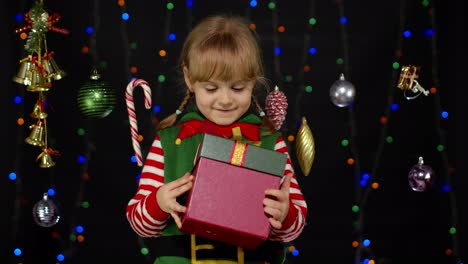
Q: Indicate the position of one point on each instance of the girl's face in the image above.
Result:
(222, 102)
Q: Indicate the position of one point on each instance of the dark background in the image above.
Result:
(402, 224)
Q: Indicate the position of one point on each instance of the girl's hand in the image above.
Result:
(167, 194)
(276, 203)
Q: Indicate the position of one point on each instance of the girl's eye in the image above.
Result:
(210, 88)
(238, 87)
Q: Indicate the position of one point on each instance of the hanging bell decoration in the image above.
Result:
(24, 73)
(305, 147)
(38, 82)
(45, 159)
(96, 98)
(38, 110)
(53, 69)
(46, 212)
(37, 135)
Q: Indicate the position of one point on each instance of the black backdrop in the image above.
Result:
(400, 223)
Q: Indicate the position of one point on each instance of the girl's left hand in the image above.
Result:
(276, 203)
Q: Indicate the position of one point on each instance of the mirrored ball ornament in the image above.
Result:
(342, 92)
(46, 212)
(421, 177)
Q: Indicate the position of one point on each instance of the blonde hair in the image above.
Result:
(222, 47)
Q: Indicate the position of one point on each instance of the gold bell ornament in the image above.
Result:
(305, 147)
(24, 73)
(38, 81)
(52, 69)
(37, 135)
(45, 158)
(38, 110)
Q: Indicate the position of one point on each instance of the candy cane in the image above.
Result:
(131, 113)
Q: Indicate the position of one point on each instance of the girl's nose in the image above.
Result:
(225, 98)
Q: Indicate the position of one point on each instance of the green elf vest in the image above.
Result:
(179, 159)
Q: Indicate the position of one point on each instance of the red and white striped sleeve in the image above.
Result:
(294, 223)
(143, 212)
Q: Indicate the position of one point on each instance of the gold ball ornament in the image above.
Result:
(305, 147)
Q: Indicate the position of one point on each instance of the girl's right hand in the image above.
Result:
(167, 194)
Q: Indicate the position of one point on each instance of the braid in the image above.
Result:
(266, 121)
(170, 120)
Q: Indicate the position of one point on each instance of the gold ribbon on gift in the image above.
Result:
(194, 247)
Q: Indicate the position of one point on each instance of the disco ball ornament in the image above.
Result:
(421, 177)
(342, 92)
(46, 212)
(96, 98)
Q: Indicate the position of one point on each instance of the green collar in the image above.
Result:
(247, 118)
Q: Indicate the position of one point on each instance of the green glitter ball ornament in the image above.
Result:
(96, 98)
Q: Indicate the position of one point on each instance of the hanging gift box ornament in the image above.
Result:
(421, 177)
(46, 212)
(96, 98)
(305, 147)
(408, 81)
(276, 105)
(342, 92)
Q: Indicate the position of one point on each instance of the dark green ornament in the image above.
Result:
(96, 98)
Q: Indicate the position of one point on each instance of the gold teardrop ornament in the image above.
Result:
(305, 147)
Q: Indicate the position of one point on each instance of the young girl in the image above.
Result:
(221, 63)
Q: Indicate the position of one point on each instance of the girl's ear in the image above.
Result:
(187, 79)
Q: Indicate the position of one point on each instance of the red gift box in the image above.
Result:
(226, 200)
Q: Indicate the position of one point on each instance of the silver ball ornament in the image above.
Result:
(46, 212)
(342, 92)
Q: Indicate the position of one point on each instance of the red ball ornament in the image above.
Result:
(276, 105)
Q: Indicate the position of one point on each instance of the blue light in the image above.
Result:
(51, 192)
(81, 159)
(366, 261)
(189, 3)
(79, 229)
(60, 257)
(89, 30)
(394, 107)
(312, 51)
(133, 159)
(253, 3)
(366, 242)
(156, 109)
(295, 252)
(172, 36)
(363, 183)
(343, 20)
(12, 176)
(125, 16)
(407, 34)
(277, 51)
(138, 176)
(444, 114)
(19, 17)
(365, 176)
(17, 252)
(18, 99)
(446, 188)
(429, 32)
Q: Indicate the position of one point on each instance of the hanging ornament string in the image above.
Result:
(131, 113)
